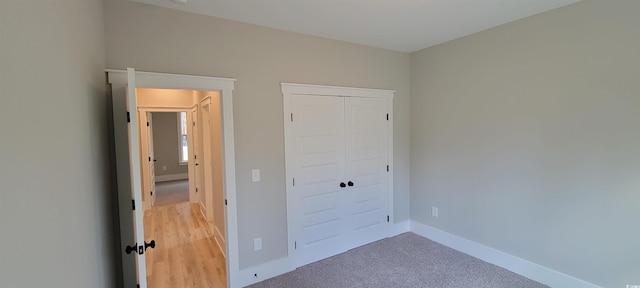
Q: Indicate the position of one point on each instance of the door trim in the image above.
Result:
(118, 80)
(291, 89)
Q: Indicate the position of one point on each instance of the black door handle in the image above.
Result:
(154, 160)
(350, 184)
(131, 249)
(343, 185)
(196, 164)
(151, 244)
(140, 249)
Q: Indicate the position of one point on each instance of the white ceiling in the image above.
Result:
(400, 25)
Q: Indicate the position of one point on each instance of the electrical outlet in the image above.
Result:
(257, 244)
(164, 168)
(434, 212)
(255, 175)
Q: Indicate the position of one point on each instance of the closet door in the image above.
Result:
(337, 157)
(366, 128)
(318, 148)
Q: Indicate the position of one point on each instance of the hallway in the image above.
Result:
(186, 254)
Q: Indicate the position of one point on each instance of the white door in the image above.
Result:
(151, 159)
(339, 152)
(144, 153)
(196, 152)
(206, 161)
(129, 182)
(318, 148)
(366, 169)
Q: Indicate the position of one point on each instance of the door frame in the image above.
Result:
(143, 140)
(289, 90)
(225, 86)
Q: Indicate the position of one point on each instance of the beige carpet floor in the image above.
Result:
(404, 261)
(171, 192)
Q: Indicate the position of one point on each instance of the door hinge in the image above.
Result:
(387, 168)
(387, 116)
(133, 204)
(225, 202)
(128, 117)
(151, 193)
(196, 189)
(149, 159)
(194, 123)
(387, 218)
(295, 245)
(294, 181)
(291, 117)
(195, 156)
(147, 124)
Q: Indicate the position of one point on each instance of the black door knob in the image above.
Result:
(350, 184)
(151, 244)
(343, 185)
(131, 249)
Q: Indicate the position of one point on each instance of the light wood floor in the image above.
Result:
(186, 254)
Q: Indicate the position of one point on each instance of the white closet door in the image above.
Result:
(319, 152)
(366, 129)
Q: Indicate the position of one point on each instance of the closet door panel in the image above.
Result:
(366, 160)
(319, 157)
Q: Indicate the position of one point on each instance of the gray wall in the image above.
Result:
(165, 144)
(155, 39)
(55, 217)
(527, 138)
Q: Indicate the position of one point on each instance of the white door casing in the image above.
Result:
(336, 135)
(129, 187)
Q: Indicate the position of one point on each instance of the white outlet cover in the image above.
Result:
(434, 212)
(255, 175)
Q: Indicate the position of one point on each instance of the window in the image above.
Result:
(183, 149)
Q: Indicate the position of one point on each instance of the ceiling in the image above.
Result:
(400, 25)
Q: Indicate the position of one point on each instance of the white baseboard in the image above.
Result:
(399, 228)
(217, 236)
(512, 263)
(172, 177)
(264, 271)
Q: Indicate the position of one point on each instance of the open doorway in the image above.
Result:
(169, 149)
(124, 84)
(183, 146)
